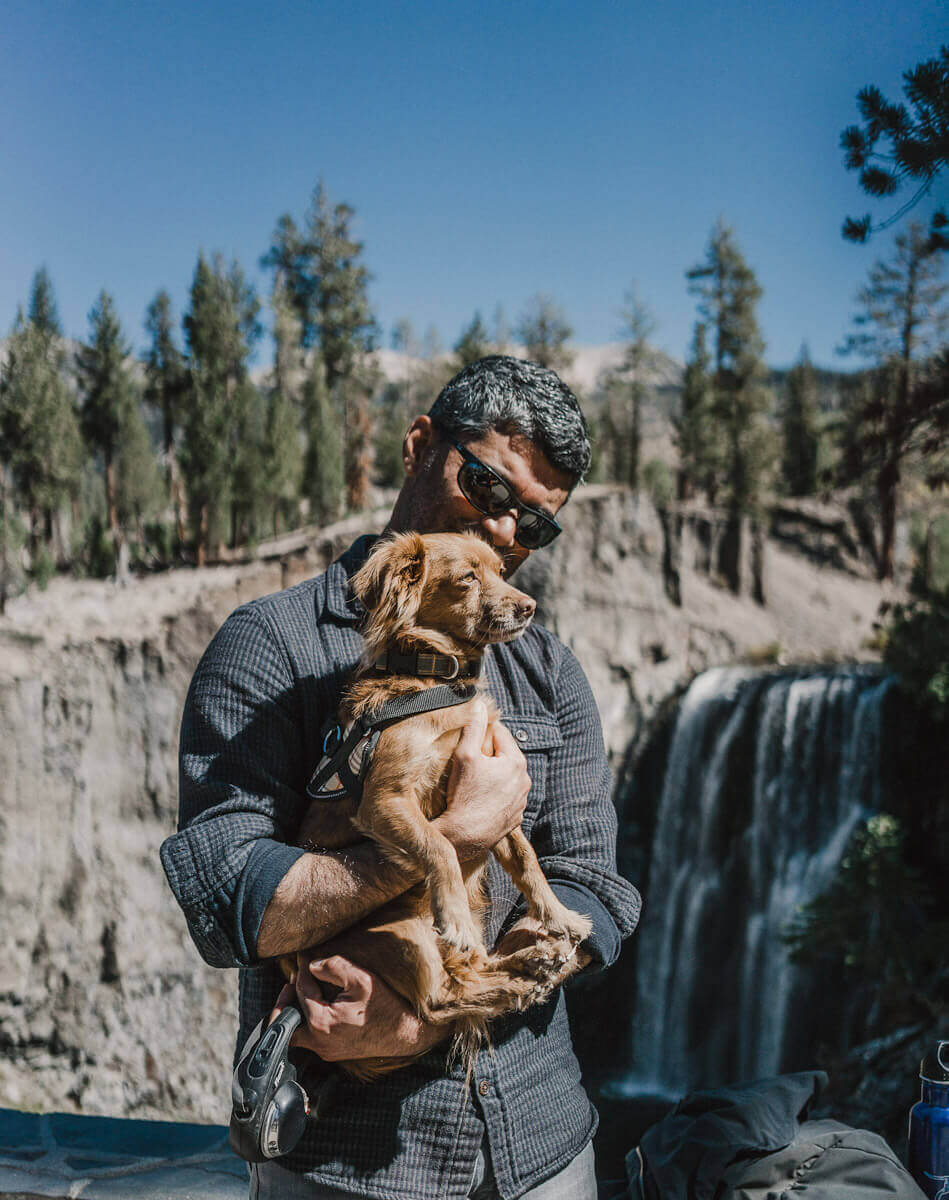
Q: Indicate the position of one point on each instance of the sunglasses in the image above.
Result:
(485, 490)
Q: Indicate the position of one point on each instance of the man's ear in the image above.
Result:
(390, 585)
(416, 444)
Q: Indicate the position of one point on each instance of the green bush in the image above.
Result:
(916, 647)
(659, 482)
(930, 542)
(878, 924)
(43, 568)
(99, 551)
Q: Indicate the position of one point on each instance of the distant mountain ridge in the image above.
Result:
(591, 366)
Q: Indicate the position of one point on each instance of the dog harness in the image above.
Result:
(348, 750)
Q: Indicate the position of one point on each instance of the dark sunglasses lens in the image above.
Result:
(484, 490)
(533, 531)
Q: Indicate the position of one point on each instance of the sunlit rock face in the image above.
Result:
(104, 1002)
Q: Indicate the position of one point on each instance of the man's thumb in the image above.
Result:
(473, 737)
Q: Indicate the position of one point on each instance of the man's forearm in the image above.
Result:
(323, 894)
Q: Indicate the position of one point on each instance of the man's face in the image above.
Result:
(432, 502)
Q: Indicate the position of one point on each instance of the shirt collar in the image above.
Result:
(339, 601)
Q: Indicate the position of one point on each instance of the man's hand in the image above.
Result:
(351, 1013)
(487, 790)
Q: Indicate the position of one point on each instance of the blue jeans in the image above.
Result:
(577, 1181)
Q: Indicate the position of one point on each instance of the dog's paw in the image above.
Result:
(462, 935)
(562, 924)
(542, 959)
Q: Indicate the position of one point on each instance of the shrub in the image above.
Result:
(916, 647)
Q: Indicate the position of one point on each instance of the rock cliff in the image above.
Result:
(104, 1003)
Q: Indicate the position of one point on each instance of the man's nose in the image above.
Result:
(501, 529)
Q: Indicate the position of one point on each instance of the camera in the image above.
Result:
(270, 1105)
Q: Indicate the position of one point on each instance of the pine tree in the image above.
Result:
(356, 395)
(323, 461)
(697, 436)
(638, 325)
(43, 312)
(543, 331)
(472, 344)
(918, 145)
(221, 328)
(391, 421)
(902, 319)
(292, 277)
(250, 486)
(165, 390)
(346, 329)
(283, 459)
(107, 395)
(322, 269)
(728, 294)
(139, 486)
(283, 453)
(800, 428)
(40, 443)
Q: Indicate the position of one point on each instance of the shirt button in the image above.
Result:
(484, 1087)
(521, 735)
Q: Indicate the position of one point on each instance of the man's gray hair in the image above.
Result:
(517, 398)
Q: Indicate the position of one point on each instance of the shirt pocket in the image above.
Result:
(538, 736)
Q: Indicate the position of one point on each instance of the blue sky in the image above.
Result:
(491, 151)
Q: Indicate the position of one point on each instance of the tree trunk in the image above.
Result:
(635, 438)
(359, 447)
(4, 542)
(119, 548)
(202, 539)
(887, 487)
(176, 492)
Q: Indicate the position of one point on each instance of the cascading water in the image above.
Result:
(768, 774)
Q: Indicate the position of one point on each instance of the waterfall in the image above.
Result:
(767, 776)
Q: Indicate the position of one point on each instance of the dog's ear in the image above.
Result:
(390, 585)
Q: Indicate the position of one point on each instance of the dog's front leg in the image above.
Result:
(518, 858)
(400, 828)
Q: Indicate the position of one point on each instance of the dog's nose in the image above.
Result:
(525, 607)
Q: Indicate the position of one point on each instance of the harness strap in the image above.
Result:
(413, 703)
(347, 754)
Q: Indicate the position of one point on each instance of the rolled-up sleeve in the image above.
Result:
(575, 831)
(241, 789)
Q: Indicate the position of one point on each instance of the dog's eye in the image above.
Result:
(470, 577)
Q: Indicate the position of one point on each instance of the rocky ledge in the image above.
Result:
(101, 1158)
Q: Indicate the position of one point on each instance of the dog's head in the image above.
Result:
(440, 591)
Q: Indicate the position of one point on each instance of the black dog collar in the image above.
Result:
(424, 662)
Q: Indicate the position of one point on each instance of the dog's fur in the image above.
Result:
(441, 593)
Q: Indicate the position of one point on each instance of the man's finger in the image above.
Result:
(354, 981)
(287, 996)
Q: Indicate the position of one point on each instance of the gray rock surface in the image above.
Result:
(105, 1006)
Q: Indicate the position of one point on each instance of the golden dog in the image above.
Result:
(444, 594)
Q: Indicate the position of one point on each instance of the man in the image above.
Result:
(498, 453)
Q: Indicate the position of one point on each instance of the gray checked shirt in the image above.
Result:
(269, 679)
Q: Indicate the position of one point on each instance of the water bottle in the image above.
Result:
(929, 1126)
